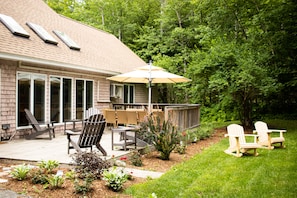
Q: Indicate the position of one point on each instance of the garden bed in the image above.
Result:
(150, 161)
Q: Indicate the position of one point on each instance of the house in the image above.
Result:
(57, 67)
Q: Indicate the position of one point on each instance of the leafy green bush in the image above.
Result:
(20, 172)
(115, 178)
(89, 163)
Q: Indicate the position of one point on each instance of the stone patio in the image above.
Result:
(56, 149)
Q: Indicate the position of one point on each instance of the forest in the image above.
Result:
(240, 55)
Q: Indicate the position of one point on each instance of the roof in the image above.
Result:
(99, 51)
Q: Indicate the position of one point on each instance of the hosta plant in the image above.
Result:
(55, 181)
(20, 172)
(48, 166)
(115, 178)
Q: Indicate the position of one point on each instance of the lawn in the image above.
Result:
(216, 174)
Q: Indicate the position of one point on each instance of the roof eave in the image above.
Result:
(15, 57)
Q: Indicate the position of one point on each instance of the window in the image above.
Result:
(84, 97)
(67, 40)
(60, 97)
(67, 101)
(55, 91)
(116, 90)
(31, 90)
(13, 26)
(129, 93)
(42, 33)
(31, 95)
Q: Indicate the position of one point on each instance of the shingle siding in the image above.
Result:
(101, 55)
(8, 97)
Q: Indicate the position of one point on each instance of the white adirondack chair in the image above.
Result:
(237, 142)
(91, 111)
(265, 137)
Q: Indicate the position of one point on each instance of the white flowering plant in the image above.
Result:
(115, 178)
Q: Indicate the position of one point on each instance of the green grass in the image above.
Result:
(215, 174)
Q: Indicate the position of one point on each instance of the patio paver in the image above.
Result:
(55, 149)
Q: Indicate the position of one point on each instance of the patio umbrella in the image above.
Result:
(149, 74)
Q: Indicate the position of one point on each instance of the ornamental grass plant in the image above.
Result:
(216, 174)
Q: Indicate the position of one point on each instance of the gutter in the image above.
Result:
(14, 57)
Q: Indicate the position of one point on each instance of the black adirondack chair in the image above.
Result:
(89, 136)
(37, 129)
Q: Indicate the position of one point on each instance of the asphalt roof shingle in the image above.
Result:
(99, 50)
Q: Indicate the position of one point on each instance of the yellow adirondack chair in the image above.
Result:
(237, 141)
(265, 138)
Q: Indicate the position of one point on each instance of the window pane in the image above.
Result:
(126, 90)
(131, 94)
(39, 93)
(89, 94)
(55, 99)
(23, 98)
(128, 94)
(79, 98)
(66, 99)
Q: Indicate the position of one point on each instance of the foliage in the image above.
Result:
(115, 178)
(164, 135)
(71, 175)
(55, 181)
(215, 174)
(38, 176)
(135, 158)
(48, 166)
(20, 172)
(183, 141)
(181, 148)
(240, 56)
(89, 163)
(83, 186)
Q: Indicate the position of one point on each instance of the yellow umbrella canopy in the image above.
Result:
(149, 74)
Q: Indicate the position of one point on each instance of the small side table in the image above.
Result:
(74, 129)
(123, 133)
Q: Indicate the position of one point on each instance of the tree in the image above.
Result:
(240, 55)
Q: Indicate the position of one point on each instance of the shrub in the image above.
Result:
(83, 186)
(135, 158)
(20, 172)
(181, 148)
(38, 176)
(115, 178)
(89, 163)
(164, 136)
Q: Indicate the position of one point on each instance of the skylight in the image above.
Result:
(42, 33)
(13, 26)
(67, 40)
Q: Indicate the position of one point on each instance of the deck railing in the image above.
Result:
(184, 116)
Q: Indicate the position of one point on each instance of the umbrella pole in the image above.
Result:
(150, 88)
(150, 98)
